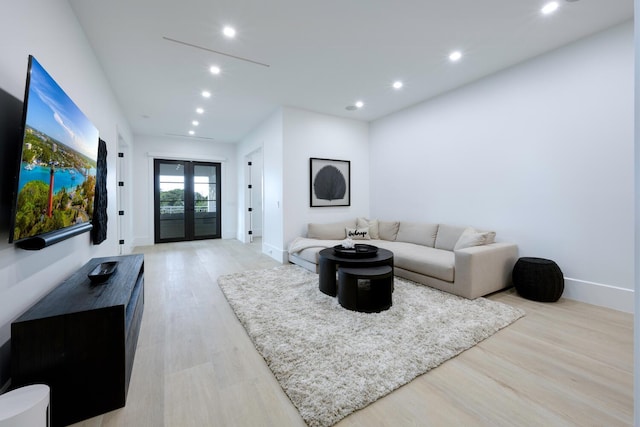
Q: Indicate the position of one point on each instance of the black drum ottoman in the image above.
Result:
(538, 279)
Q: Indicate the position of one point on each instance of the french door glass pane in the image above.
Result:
(187, 200)
(205, 200)
(172, 201)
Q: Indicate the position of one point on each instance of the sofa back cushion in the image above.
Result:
(388, 230)
(419, 233)
(448, 236)
(332, 231)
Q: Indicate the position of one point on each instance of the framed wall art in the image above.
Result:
(330, 182)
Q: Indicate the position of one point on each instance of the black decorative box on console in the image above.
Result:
(103, 271)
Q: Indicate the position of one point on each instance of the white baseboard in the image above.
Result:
(142, 241)
(620, 299)
(275, 253)
(229, 234)
(149, 241)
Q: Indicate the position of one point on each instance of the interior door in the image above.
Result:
(187, 200)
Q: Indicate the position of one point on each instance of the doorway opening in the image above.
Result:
(123, 200)
(253, 196)
(187, 203)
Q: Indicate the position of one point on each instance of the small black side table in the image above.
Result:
(365, 289)
(538, 279)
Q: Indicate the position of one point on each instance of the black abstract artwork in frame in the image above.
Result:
(330, 182)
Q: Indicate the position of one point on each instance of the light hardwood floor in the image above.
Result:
(563, 364)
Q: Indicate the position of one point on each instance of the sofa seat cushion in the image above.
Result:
(309, 254)
(431, 262)
(308, 249)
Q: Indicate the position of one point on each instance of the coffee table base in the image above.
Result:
(330, 261)
(327, 272)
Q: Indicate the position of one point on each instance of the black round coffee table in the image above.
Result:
(329, 261)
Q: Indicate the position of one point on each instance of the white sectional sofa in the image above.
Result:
(459, 260)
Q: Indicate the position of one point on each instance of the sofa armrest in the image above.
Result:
(480, 270)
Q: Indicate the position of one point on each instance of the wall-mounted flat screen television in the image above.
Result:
(57, 167)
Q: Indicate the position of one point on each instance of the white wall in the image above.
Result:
(306, 135)
(267, 138)
(49, 30)
(289, 137)
(542, 153)
(148, 148)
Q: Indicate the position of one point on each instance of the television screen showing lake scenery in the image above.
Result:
(57, 178)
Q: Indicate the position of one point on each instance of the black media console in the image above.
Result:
(81, 339)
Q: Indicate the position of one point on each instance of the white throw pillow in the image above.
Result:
(358, 233)
(372, 224)
(470, 237)
(491, 237)
(448, 236)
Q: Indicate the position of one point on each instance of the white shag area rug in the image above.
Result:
(331, 361)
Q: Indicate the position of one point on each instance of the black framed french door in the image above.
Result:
(186, 200)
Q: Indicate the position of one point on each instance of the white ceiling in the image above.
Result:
(321, 55)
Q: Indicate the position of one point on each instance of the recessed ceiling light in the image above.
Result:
(199, 110)
(214, 69)
(359, 104)
(191, 132)
(549, 8)
(195, 123)
(455, 56)
(229, 32)
(206, 94)
(397, 84)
